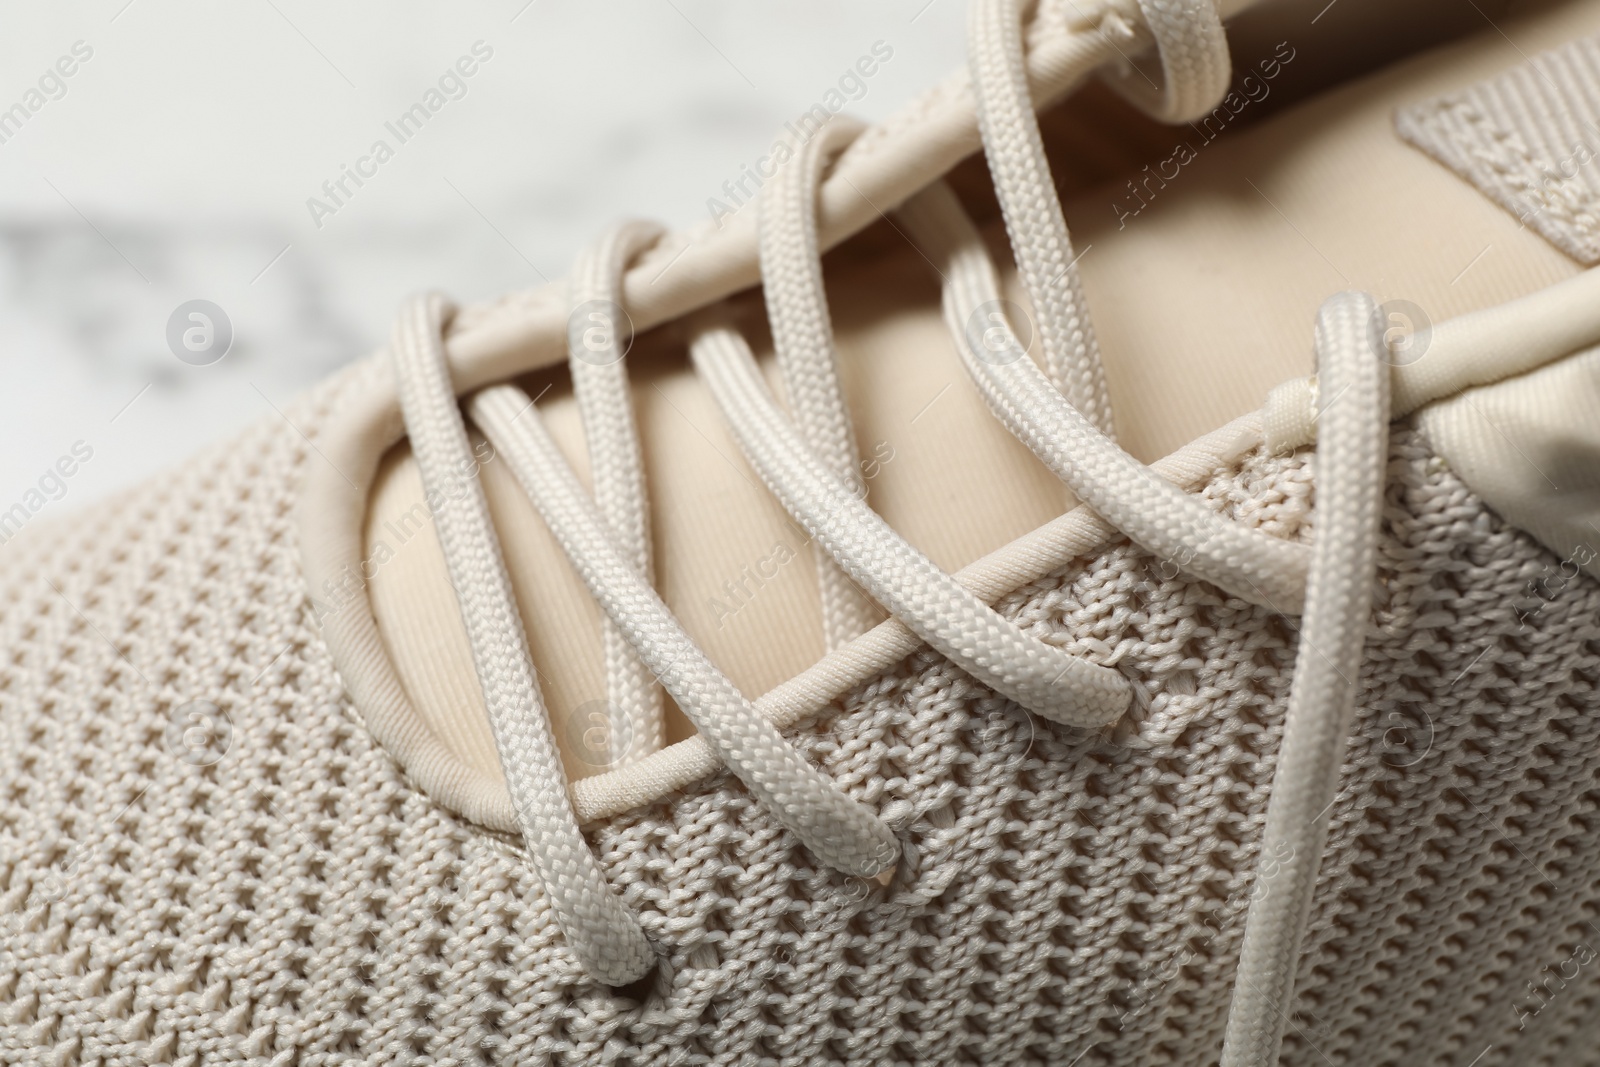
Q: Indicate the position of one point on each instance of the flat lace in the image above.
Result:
(807, 457)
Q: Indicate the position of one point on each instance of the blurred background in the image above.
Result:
(201, 151)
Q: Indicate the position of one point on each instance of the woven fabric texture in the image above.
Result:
(1526, 139)
(204, 858)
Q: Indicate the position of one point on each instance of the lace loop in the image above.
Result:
(1195, 65)
(1153, 512)
(1057, 685)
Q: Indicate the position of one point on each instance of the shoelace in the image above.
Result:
(808, 459)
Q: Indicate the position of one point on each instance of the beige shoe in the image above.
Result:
(739, 654)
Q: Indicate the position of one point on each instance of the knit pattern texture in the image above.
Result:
(1513, 137)
(204, 857)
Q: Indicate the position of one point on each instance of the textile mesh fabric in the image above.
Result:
(1525, 139)
(277, 892)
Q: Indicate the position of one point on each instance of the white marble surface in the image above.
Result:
(178, 161)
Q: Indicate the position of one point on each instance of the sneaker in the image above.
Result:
(789, 640)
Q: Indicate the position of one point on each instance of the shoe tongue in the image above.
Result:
(737, 572)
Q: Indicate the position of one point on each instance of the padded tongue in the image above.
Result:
(737, 572)
(1204, 270)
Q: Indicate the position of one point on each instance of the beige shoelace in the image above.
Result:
(807, 457)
